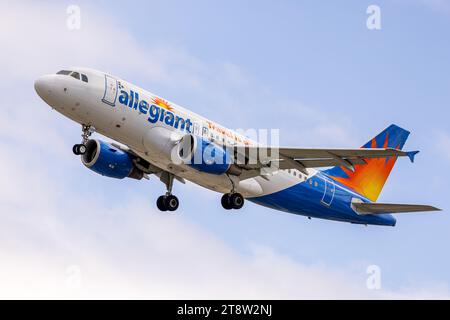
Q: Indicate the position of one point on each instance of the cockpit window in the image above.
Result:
(76, 75)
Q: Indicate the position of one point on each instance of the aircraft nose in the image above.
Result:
(44, 86)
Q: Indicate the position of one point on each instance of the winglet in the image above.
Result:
(411, 155)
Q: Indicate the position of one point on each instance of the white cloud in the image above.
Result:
(129, 251)
(36, 40)
(46, 45)
(132, 251)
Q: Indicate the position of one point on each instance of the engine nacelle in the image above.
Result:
(109, 161)
(206, 156)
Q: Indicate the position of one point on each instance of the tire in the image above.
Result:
(79, 149)
(160, 203)
(171, 203)
(75, 150)
(236, 201)
(225, 201)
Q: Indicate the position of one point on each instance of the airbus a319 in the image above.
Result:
(160, 138)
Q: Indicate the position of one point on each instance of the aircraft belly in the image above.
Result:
(306, 198)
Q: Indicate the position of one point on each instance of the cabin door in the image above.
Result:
(110, 95)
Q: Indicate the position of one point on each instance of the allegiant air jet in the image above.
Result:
(160, 138)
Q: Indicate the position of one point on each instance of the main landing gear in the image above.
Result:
(167, 202)
(80, 148)
(232, 201)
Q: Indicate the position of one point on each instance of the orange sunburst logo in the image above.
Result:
(162, 103)
(369, 179)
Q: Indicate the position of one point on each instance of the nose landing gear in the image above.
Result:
(80, 148)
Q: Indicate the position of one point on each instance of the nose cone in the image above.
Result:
(44, 86)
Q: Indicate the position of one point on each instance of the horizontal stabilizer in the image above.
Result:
(412, 155)
(380, 208)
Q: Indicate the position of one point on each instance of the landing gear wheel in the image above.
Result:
(79, 149)
(226, 201)
(171, 202)
(236, 200)
(160, 203)
(167, 202)
(232, 201)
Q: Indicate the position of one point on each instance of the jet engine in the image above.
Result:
(107, 160)
(206, 156)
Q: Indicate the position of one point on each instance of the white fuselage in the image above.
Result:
(121, 111)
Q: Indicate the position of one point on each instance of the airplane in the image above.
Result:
(153, 136)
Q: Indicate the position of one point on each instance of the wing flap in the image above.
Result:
(318, 163)
(273, 153)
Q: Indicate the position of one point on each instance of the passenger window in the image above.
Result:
(76, 75)
(64, 72)
(84, 78)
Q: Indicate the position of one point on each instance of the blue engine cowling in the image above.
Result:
(204, 155)
(109, 161)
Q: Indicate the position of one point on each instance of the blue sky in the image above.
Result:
(311, 69)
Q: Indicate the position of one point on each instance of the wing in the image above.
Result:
(380, 208)
(300, 158)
